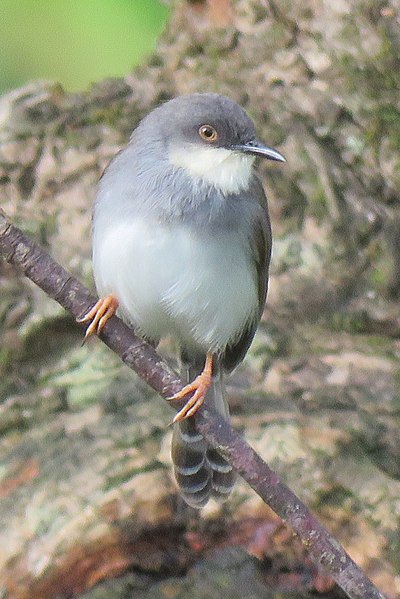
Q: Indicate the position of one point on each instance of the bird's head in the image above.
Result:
(209, 136)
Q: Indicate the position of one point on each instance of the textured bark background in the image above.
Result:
(85, 483)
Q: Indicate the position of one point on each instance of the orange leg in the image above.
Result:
(200, 386)
(99, 314)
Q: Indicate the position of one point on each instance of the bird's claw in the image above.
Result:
(199, 386)
(101, 312)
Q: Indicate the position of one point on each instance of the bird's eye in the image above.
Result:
(208, 133)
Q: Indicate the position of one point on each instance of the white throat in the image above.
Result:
(226, 170)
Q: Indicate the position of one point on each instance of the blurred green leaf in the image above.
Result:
(75, 42)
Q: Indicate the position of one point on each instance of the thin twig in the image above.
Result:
(19, 250)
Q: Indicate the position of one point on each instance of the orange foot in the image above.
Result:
(99, 314)
(200, 386)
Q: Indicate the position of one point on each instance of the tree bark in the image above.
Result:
(84, 451)
(326, 552)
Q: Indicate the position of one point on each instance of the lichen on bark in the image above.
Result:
(84, 447)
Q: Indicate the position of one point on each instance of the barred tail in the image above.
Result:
(199, 469)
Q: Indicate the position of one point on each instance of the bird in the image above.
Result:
(181, 249)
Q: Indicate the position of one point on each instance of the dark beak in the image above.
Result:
(256, 148)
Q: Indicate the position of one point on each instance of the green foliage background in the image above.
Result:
(75, 42)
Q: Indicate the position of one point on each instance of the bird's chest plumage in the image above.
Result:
(172, 279)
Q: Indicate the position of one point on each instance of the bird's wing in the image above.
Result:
(260, 244)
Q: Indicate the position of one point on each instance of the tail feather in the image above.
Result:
(200, 471)
(223, 477)
(190, 463)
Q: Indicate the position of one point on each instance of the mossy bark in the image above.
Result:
(86, 489)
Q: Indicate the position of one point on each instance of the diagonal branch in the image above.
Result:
(19, 250)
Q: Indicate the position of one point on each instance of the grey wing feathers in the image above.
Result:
(260, 244)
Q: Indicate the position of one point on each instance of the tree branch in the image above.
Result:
(19, 250)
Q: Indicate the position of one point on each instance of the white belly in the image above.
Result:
(170, 280)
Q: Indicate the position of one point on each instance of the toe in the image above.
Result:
(191, 406)
(99, 314)
(183, 392)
